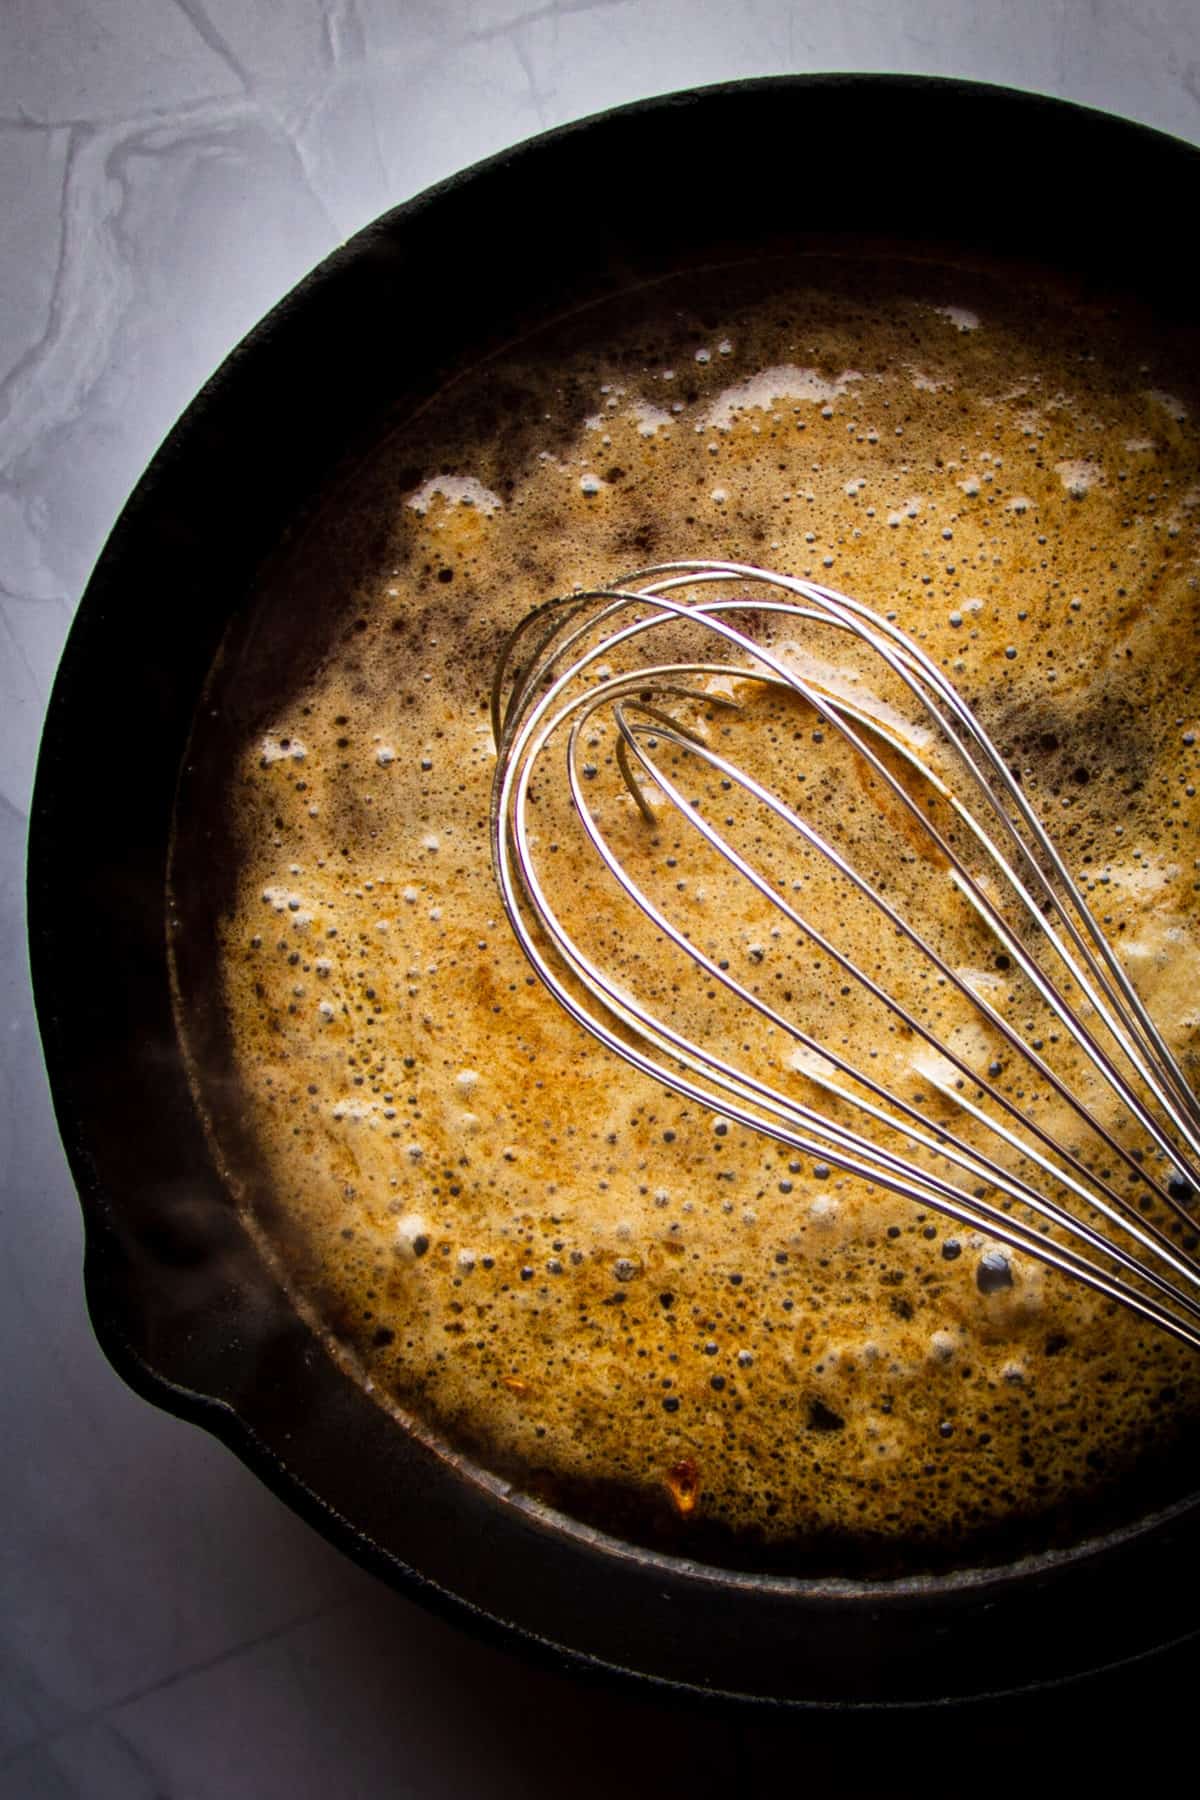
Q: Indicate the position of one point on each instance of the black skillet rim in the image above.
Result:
(250, 450)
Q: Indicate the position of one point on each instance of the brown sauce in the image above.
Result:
(539, 1255)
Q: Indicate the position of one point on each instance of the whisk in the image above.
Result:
(1060, 1124)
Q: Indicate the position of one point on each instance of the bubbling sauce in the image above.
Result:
(665, 1324)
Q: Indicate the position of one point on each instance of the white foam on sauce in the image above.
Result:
(847, 684)
(650, 420)
(908, 509)
(1079, 477)
(455, 490)
(1171, 405)
(961, 317)
(286, 749)
(783, 382)
(354, 1109)
(282, 899)
(930, 1065)
(807, 1061)
(412, 1234)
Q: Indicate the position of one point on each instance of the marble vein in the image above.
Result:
(203, 1665)
(537, 95)
(93, 280)
(345, 41)
(556, 9)
(185, 1672)
(342, 36)
(11, 386)
(19, 598)
(12, 813)
(91, 287)
(209, 33)
(18, 646)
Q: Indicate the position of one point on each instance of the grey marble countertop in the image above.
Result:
(169, 169)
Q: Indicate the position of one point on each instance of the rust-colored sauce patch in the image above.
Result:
(683, 1485)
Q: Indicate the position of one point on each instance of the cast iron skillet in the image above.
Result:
(180, 1301)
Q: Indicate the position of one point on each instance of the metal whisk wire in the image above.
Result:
(555, 681)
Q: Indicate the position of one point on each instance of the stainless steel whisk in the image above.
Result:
(578, 671)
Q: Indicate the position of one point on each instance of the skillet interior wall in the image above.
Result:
(310, 614)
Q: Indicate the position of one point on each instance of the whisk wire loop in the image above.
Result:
(557, 670)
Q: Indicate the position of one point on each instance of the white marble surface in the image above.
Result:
(168, 170)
